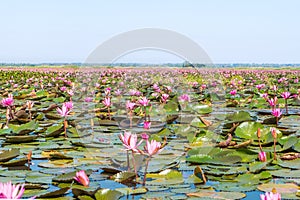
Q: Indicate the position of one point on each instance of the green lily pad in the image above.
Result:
(68, 177)
(20, 138)
(257, 166)
(196, 122)
(202, 109)
(55, 193)
(37, 177)
(54, 131)
(286, 173)
(107, 194)
(24, 128)
(131, 191)
(123, 176)
(292, 164)
(217, 195)
(280, 188)
(8, 155)
(240, 116)
(13, 163)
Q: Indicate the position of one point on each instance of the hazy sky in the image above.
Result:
(230, 31)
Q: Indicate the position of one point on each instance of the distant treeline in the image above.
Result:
(185, 64)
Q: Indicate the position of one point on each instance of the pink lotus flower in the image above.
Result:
(7, 101)
(270, 196)
(63, 111)
(276, 112)
(169, 88)
(118, 92)
(129, 141)
(70, 92)
(155, 87)
(274, 133)
(273, 102)
(11, 191)
(144, 101)
(152, 147)
(164, 97)
(233, 92)
(147, 125)
(107, 91)
(262, 156)
(130, 105)
(82, 178)
(260, 86)
(88, 99)
(132, 92)
(265, 96)
(285, 95)
(63, 88)
(185, 97)
(145, 136)
(107, 102)
(69, 105)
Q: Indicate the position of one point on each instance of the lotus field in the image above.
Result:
(149, 133)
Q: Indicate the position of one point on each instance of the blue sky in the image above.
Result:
(231, 31)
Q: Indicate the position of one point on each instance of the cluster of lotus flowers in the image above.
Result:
(130, 142)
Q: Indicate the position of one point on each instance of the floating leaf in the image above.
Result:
(13, 163)
(24, 128)
(292, 164)
(280, 188)
(240, 116)
(68, 177)
(287, 173)
(196, 122)
(247, 130)
(20, 138)
(123, 176)
(131, 191)
(202, 109)
(55, 193)
(54, 131)
(37, 177)
(257, 166)
(217, 195)
(107, 194)
(8, 155)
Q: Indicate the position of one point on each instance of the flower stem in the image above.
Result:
(130, 119)
(128, 164)
(286, 107)
(146, 168)
(260, 145)
(275, 157)
(65, 127)
(134, 166)
(109, 113)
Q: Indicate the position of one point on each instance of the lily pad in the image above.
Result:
(8, 155)
(20, 138)
(107, 194)
(202, 109)
(239, 116)
(24, 128)
(217, 195)
(55, 193)
(54, 131)
(280, 188)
